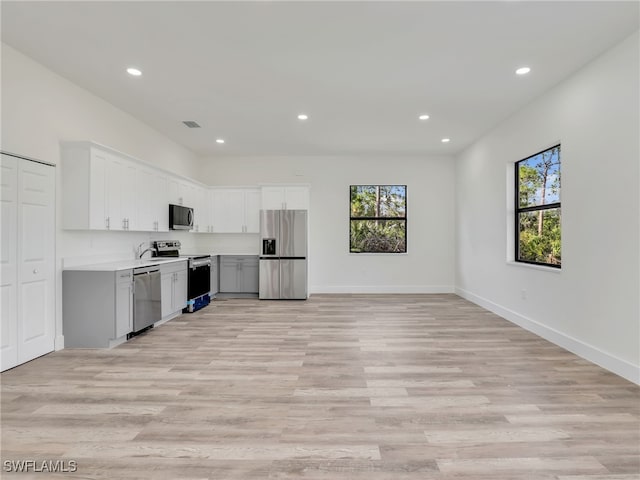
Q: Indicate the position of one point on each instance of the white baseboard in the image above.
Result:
(167, 318)
(58, 343)
(399, 289)
(593, 354)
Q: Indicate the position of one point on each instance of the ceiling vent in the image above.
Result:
(191, 124)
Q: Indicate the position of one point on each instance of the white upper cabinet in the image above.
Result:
(101, 189)
(153, 211)
(235, 210)
(181, 192)
(287, 197)
(201, 208)
(121, 190)
(252, 205)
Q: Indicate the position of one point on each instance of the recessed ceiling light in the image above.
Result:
(302, 116)
(445, 140)
(219, 140)
(134, 71)
(424, 116)
(523, 71)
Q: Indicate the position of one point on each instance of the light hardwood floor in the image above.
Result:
(338, 387)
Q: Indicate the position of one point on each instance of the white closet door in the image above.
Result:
(36, 254)
(8, 262)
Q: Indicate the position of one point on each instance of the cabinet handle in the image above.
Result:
(107, 222)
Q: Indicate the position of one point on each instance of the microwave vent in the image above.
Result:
(191, 124)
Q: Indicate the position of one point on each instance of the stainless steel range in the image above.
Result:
(199, 277)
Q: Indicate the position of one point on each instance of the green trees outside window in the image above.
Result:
(538, 212)
(378, 220)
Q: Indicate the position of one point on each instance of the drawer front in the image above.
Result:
(124, 276)
(173, 267)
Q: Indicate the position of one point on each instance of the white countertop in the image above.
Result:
(125, 264)
(216, 254)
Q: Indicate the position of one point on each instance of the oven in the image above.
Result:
(198, 273)
(199, 282)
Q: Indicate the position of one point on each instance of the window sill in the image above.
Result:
(541, 268)
(381, 254)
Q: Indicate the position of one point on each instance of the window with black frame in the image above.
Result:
(378, 219)
(537, 209)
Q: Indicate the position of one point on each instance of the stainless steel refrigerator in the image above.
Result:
(283, 254)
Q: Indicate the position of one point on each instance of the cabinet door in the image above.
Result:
(210, 202)
(8, 262)
(98, 210)
(124, 304)
(152, 201)
(180, 290)
(229, 274)
(250, 276)
(200, 210)
(272, 198)
(161, 202)
(146, 200)
(252, 211)
(113, 183)
(228, 210)
(180, 192)
(296, 198)
(129, 195)
(175, 197)
(36, 260)
(166, 293)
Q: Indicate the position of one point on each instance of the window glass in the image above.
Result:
(378, 220)
(538, 208)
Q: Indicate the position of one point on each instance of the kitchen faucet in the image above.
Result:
(149, 249)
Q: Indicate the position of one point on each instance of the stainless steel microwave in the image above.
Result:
(180, 218)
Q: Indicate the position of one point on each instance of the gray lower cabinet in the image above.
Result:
(97, 307)
(173, 287)
(238, 274)
(214, 275)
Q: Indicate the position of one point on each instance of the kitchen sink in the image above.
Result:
(154, 261)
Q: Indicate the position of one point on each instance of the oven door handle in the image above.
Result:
(200, 263)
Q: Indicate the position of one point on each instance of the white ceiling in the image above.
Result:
(362, 71)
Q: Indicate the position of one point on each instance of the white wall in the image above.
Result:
(39, 110)
(592, 306)
(429, 264)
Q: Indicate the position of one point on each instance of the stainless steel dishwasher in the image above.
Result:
(146, 297)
